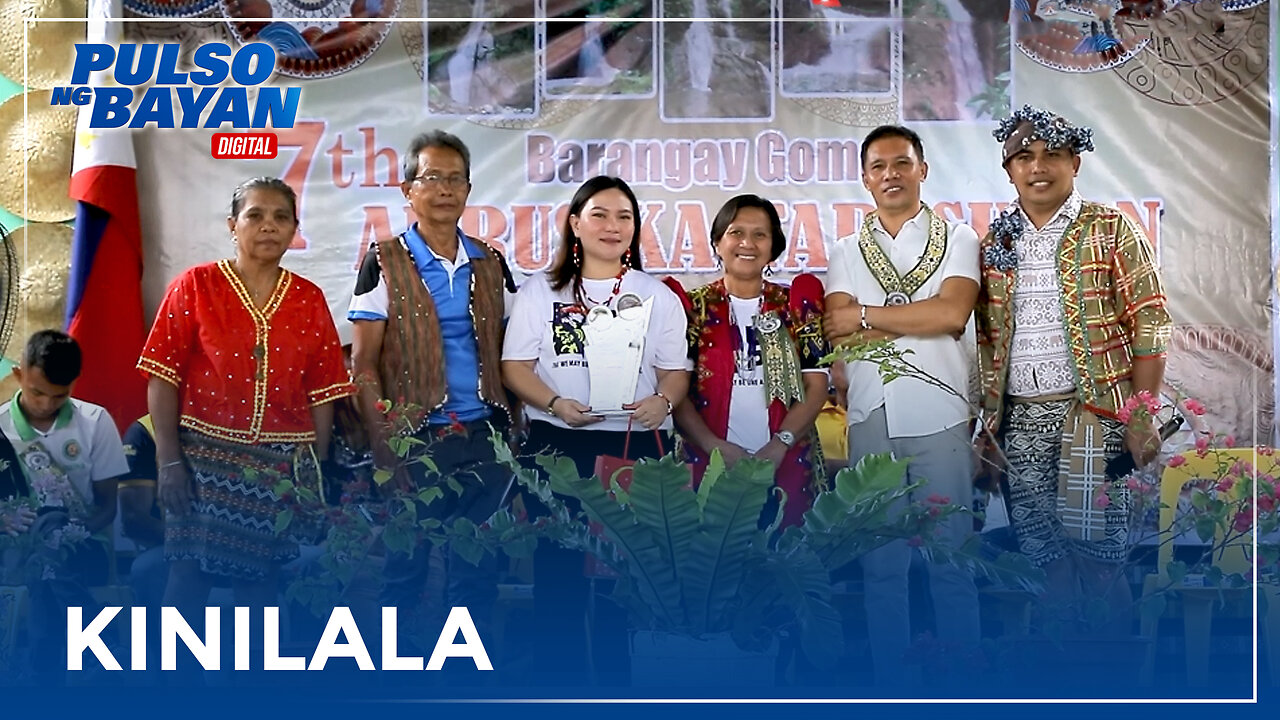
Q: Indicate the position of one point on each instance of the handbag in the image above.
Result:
(610, 469)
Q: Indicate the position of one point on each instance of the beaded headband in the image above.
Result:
(1030, 124)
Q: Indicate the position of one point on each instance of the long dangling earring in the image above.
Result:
(626, 258)
(577, 255)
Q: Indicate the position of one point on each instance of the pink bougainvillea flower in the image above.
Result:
(1267, 503)
(1102, 501)
(1194, 406)
(937, 499)
(1229, 441)
(1243, 520)
(1177, 461)
(1151, 402)
(1125, 414)
(382, 406)
(1266, 451)
(1225, 484)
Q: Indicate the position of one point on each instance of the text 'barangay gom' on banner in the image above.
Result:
(674, 232)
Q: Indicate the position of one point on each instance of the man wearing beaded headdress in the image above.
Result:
(911, 277)
(1072, 321)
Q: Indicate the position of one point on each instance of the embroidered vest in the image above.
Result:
(412, 359)
(1088, 241)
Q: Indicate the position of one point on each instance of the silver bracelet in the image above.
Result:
(170, 464)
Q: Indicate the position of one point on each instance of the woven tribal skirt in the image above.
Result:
(1047, 527)
(231, 527)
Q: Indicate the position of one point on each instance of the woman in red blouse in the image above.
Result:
(755, 345)
(244, 366)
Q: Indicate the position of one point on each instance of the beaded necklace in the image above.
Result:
(580, 295)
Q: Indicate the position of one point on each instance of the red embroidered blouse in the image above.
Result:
(245, 374)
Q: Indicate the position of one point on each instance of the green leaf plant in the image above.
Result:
(389, 515)
(697, 563)
(1232, 501)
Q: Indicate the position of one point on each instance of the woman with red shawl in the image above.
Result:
(755, 345)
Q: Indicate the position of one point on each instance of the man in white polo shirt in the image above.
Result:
(911, 277)
(70, 455)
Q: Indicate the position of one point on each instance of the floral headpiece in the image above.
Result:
(1030, 124)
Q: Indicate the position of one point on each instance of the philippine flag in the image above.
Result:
(104, 300)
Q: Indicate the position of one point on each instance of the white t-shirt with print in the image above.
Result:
(748, 405)
(82, 447)
(748, 412)
(545, 327)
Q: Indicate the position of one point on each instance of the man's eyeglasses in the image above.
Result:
(453, 182)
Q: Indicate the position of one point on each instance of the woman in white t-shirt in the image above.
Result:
(756, 347)
(545, 354)
(545, 362)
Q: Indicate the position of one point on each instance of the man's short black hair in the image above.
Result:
(885, 131)
(56, 353)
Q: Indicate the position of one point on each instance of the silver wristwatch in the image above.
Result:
(787, 437)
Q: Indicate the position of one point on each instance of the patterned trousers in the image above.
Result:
(1048, 524)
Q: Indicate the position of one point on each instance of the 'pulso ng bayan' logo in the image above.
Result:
(203, 101)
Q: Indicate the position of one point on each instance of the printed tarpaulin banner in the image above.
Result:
(694, 101)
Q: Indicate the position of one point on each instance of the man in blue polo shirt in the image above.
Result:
(428, 313)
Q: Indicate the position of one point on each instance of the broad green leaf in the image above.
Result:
(398, 445)
(644, 558)
(872, 474)
(1199, 499)
(717, 558)
(1213, 576)
(462, 540)
(664, 503)
(1206, 526)
(283, 518)
(1177, 571)
(715, 470)
(398, 538)
(804, 587)
(428, 495)
(454, 486)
